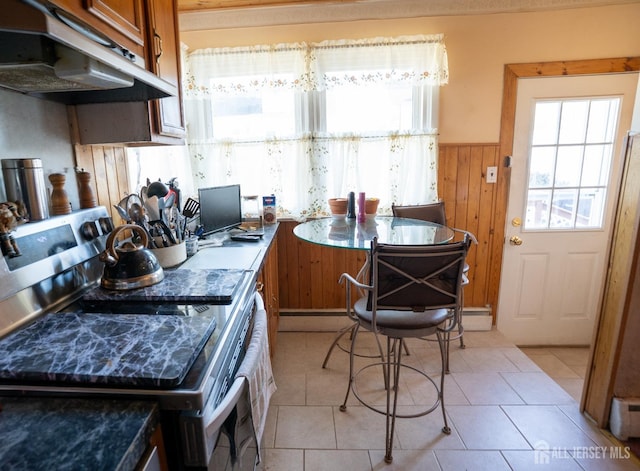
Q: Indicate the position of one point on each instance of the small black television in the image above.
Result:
(220, 208)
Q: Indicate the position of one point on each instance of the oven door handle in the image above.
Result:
(214, 422)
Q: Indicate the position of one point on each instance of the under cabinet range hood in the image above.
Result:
(46, 53)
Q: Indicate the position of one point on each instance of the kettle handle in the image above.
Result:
(109, 246)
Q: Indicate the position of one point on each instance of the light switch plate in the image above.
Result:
(492, 174)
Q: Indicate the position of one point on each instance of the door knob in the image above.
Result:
(515, 240)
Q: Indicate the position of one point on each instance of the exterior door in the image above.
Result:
(565, 176)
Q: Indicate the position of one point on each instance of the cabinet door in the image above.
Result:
(126, 16)
(270, 292)
(120, 20)
(164, 60)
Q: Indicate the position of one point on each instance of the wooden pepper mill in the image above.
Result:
(85, 190)
(59, 199)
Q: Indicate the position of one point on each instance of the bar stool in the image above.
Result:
(414, 292)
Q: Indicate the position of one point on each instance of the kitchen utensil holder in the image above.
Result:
(172, 255)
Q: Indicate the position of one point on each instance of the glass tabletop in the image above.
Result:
(349, 234)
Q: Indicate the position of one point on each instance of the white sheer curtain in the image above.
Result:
(309, 161)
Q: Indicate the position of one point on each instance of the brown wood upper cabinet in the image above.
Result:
(163, 55)
(122, 21)
(143, 123)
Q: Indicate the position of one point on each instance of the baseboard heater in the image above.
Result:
(624, 419)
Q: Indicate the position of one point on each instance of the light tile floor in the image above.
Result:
(566, 366)
(509, 409)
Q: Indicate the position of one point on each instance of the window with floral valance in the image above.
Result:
(308, 122)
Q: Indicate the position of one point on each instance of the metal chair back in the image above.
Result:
(418, 277)
(432, 212)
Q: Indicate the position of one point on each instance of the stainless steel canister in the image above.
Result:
(24, 181)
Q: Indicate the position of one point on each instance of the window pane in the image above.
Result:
(591, 207)
(541, 167)
(372, 108)
(573, 124)
(595, 170)
(568, 166)
(545, 127)
(538, 207)
(263, 113)
(563, 208)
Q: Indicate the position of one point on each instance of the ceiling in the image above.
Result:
(219, 14)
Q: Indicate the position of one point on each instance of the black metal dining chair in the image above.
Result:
(435, 212)
(414, 292)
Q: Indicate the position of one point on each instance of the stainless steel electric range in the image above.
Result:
(62, 334)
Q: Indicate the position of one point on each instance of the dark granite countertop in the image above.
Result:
(57, 434)
(46, 433)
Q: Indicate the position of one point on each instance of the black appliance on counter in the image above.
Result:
(177, 352)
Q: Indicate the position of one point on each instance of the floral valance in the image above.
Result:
(303, 67)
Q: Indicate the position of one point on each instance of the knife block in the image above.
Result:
(59, 199)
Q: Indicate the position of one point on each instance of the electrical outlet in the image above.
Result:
(492, 174)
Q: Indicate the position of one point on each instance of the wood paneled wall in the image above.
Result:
(108, 167)
(308, 273)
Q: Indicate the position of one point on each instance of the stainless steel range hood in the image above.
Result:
(48, 54)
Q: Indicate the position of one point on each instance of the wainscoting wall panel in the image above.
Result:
(308, 273)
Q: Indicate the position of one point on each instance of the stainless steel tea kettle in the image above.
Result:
(129, 265)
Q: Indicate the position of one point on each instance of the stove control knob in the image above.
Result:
(106, 224)
(89, 230)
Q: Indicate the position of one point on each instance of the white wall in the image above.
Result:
(37, 129)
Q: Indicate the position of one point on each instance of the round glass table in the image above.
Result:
(349, 234)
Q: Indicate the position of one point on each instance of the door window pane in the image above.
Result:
(545, 127)
(597, 162)
(542, 166)
(568, 166)
(538, 209)
(573, 122)
(563, 208)
(601, 126)
(569, 163)
(591, 207)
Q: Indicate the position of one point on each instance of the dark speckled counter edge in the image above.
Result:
(59, 433)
